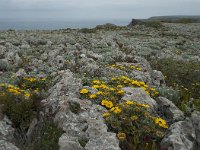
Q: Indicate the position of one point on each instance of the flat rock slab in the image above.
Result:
(138, 95)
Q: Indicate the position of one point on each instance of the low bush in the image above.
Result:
(180, 73)
(45, 136)
(135, 126)
(153, 24)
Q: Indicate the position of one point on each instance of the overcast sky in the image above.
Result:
(95, 9)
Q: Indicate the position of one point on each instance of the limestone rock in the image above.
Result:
(140, 96)
(158, 79)
(69, 143)
(6, 134)
(5, 145)
(169, 109)
(195, 117)
(21, 72)
(181, 136)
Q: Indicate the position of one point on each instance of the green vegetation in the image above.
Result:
(4, 66)
(45, 136)
(135, 126)
(182, 76)
(153, 24)
(86, 30)
(22, 103)
(184, 20)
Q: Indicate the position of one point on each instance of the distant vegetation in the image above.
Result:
(182, 76)
(154, 21)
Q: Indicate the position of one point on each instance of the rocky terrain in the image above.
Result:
(71, 59)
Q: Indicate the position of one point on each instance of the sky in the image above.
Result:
(95, 9)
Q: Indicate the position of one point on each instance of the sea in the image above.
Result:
(6, 24)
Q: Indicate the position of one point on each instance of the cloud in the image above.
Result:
(96, 8)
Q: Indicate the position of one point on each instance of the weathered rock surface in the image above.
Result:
(140, 96)
(181, 136)
(195, 117)
(6, 134)
(169, 109)
(79, 118)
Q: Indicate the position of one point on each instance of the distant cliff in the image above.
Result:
(167, 19)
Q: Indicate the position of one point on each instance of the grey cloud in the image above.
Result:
(78, 9)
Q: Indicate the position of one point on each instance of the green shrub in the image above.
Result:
(185, 20)
(45, 136)
(180, 73)
(20, 112)
(86, 30)
(22, 103)
(153, 24)
(170, 93)
(136, 128)
(196, 103)
(4, 66)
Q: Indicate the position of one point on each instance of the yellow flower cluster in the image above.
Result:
(128, 102)
(106, 114)
(126, 81)
(14, 90)
(116, 110)
(122, 115)
(33, 79)
(124, 67)
(107, 103)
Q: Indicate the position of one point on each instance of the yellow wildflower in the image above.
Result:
(121, 67)
(111, 89)
(116, 110)
(107, 103)
(134, 117)
(84, 91)
(10, 86)
(95, 86)
(121, 136)
(43, 79)
(99, 93)
(129, 102)
(92, 96)
(112, 66)
(103, 86)
(103, 102)
(96, 82)
(161, 122)
(143, 105)
(119, 86)
(138, 68)
(120, 92)
(106, 114)
(114, 79)
(132, 67)
(27, 95)
(2, 94)
(152, 89)
(2, 84)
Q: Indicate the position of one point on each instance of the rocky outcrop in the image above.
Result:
(6, 134)
(169, 109)
(81, 120)
(140, 96)
(195, 117)
(181, 136)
